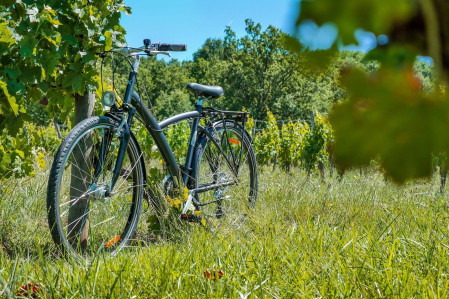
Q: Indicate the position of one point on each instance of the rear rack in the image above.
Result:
(216, 114)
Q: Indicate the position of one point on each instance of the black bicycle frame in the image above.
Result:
(156, 131)
(158, 135)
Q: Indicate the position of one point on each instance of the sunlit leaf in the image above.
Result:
(4, 94)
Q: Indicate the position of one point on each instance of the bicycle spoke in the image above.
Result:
(135, 164)
(88, 215)
(228, 160)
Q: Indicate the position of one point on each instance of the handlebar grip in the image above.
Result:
(172, 47)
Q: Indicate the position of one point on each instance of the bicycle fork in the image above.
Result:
(124, 133)
(124, 136)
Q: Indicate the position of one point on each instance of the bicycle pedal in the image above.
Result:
(219, 213)
(190, 218)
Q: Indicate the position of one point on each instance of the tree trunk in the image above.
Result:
(331, 170)
(78, 217)
(321, 169)
(443, 176)
(341, 173)
(57, 128)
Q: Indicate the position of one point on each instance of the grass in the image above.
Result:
(358, 237)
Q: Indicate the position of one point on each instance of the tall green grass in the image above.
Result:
(358, 237)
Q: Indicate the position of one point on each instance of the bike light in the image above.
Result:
(108, 98)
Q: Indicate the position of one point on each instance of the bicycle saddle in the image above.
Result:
(205, 90)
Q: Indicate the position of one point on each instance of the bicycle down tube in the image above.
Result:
(151, 123)
(156, 132)
(155, 129)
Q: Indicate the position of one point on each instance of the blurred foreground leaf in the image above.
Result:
(379, 16)
(387, 116)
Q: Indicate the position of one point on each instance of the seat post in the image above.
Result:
(199, 104)
(192, 141)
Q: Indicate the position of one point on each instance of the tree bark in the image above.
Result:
(78, 217)
(321, 169)
(443, 176)
(57, 128)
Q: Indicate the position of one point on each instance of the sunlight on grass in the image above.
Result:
(358, 236)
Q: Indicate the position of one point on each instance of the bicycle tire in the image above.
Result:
(111, 221)
(231, 205)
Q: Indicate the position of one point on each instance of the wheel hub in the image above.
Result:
(100, 193)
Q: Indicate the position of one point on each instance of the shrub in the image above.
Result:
(316, 140)
(266, 143)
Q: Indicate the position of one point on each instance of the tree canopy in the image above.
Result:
(48, 55)
(48, 48)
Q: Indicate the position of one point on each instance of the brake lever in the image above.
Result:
(154, 53)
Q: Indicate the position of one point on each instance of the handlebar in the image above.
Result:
(129, 50)
(153, 49)
(172, 47)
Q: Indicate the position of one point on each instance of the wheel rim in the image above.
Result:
(102, 222)
(228, 204)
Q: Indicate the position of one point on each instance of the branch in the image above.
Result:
(432, 33)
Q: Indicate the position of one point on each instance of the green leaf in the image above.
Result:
(6, 159)
(377, 16)
(49, 60)
(5, 34)
(20, 153)
(108, 41)
(13, 73)
(11, 100)
(27, 45)
(74, 80)
(388, 116)
(31, 74)
(70, 39)
(35, 94)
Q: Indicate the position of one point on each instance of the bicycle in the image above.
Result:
(98, 178)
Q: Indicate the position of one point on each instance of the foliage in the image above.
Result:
(260, 68)
(173, 103)
(20, 153)
(47, 49)
(404, 138)
(260, 71)
(425, 73)
(388, 115)
(44, 138)
(296, 144)
(266, 144)
(291, 144)
(249, 125)
(178, 139)
(315, 145)
(13, 161)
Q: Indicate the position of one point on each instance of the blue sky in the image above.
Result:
(192, 22)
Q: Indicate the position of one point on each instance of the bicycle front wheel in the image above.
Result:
(225, 173)
(84, 215)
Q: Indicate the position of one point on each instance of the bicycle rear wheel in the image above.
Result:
(230, 163)
(84, 217)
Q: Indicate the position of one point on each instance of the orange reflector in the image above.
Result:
(235, 141)
(113, 241)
